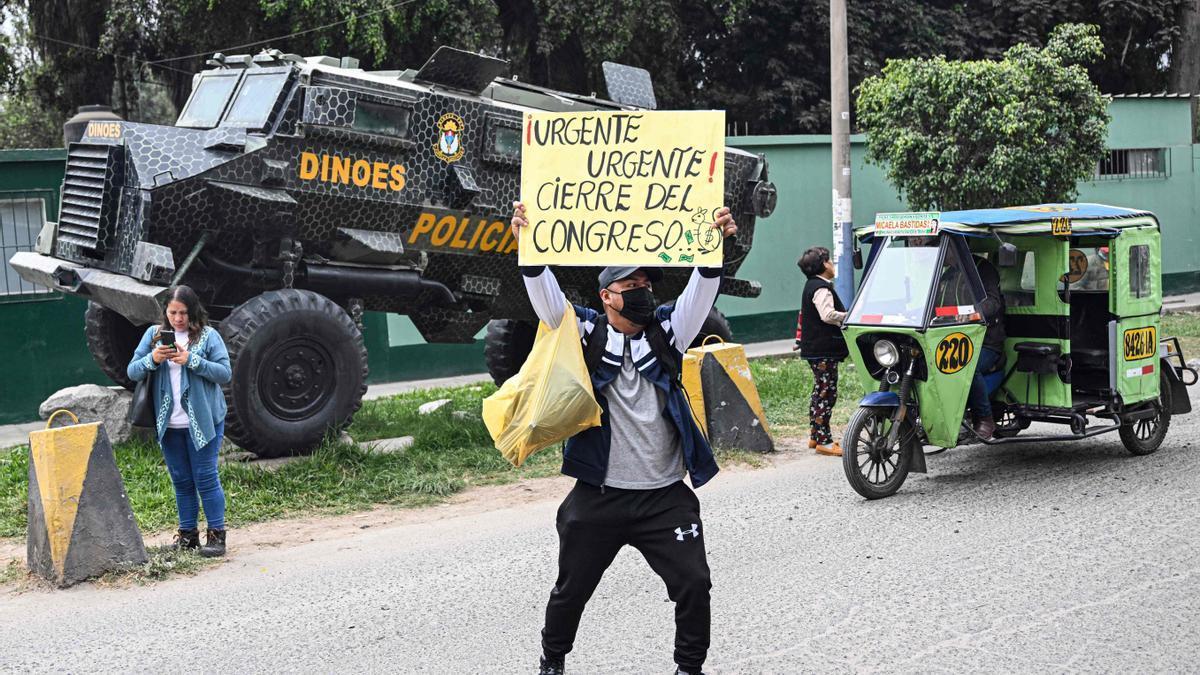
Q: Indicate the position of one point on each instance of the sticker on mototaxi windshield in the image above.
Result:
(954, 310)
(953, 353)
(923, 224)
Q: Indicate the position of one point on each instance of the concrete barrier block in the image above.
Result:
(80, 521)
(734, 418)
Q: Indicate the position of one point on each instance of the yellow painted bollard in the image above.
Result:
(80, 521)
(724, 398)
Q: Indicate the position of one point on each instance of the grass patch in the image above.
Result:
(12, 572)
(163, 562)
(727, 457)
(449, 453)
(785, 386)
(1186, 327)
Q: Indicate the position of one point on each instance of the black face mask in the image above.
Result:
(639, 305)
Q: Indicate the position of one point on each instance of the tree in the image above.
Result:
(1185, 53)
(765, 62)
(971, 134)
(66, 34)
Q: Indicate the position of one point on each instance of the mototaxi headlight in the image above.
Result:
(886, 353)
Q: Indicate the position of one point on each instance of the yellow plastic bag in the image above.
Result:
(549, 400)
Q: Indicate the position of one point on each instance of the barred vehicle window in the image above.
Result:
(508, 142)
(1139, 271)
(380, 118)
(21, 219)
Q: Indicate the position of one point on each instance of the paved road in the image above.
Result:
(1022, 559)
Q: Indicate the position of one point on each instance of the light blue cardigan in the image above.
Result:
(199, 383)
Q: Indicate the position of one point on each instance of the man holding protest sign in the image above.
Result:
(630, 469)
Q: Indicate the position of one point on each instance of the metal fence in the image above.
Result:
(1134, 163)
(22, 215)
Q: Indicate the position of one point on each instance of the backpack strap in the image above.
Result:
(668, 357)
(597, 341)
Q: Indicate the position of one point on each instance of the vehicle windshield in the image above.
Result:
(255, 101)
(204, 109)
(896, 290)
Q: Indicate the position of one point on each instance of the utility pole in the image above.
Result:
(839, 109)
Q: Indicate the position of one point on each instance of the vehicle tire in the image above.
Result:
(873, 471)
(299, 371)
(1143, 437)
(715, 324)
(1008, 423)
(506, 346)
(112, 339)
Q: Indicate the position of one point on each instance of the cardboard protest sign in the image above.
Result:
(622, 188)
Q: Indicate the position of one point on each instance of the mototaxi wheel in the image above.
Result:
(1145, 436)
(1008, 423)
(873, 470)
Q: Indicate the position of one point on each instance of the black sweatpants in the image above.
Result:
(664, 524)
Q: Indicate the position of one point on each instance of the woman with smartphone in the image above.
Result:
(189, 412)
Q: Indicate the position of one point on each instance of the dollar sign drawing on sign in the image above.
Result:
(708, 238)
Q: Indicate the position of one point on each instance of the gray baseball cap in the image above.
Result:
(611, 274)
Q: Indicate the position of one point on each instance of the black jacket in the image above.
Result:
(817, 338)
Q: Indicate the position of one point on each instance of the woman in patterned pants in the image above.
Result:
(820, 341)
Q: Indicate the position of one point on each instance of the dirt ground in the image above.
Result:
(475, 500)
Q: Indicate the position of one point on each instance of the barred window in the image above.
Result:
(21, 219)
(1134, 163)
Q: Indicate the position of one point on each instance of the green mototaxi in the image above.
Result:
(1082, 290)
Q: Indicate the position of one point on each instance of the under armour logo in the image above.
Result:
(679, 532)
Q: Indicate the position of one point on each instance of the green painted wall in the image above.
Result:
(1159, 123)
(41, 335)
(54, 355)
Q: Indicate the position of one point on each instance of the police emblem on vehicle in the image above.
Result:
(449, 143)
(953, 353)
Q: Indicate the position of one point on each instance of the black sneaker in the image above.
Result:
(214, 544)
(186, 540)
(552, 666)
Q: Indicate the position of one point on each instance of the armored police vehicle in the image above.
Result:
(296, 193)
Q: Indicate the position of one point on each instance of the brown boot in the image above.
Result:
(186, 540)
(833, 450)
(214, 544)
(985, 428)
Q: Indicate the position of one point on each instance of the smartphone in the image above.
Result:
(168, 339)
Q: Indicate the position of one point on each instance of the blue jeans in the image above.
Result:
(978, 400)
(195, 470)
